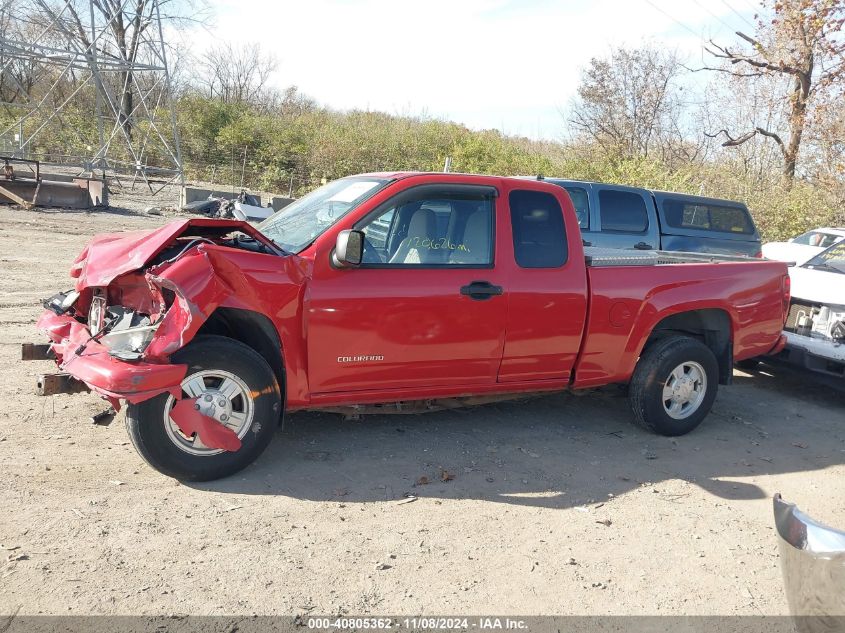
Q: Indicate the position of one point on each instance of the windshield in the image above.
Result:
(832, 260)
(301, 222)
(817, 238)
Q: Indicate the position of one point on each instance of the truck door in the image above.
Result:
(627, 218)
(427, 306)
(547, 289)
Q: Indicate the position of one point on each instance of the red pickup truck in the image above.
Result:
(394, 291)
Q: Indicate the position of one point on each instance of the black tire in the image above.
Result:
(651, 375)
(146, 423)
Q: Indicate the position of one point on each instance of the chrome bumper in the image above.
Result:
(813, 563)
(824, 348)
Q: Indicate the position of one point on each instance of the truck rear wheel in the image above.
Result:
(231, 383)
(674, 385)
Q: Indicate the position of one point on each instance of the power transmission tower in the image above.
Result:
(105, 64)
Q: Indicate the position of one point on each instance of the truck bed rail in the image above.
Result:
(596, 256)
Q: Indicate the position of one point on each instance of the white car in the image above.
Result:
(802, 248)
(815, 327)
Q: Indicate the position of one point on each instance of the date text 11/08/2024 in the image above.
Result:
(421, 623)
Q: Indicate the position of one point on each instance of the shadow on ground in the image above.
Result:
(557, 451)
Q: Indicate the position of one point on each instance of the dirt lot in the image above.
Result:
(558, 505)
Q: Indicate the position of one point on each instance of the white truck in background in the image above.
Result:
(815, 325)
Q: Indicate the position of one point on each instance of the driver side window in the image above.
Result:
(434, 228)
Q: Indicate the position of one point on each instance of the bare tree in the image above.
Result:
(293, 103)
(237, 74)
(802, 42)
(18, 77)
(630, 103)
(824, 161)
(730, 103)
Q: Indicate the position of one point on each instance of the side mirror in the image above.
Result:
(349, 249)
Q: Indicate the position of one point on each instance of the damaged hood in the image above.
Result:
(817, 286)
(108, 256)
(790, 252)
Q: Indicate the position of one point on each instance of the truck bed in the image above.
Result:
(627, 304)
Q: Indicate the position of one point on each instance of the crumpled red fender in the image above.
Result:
(192, 275)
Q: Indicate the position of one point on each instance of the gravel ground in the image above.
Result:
(557, 505)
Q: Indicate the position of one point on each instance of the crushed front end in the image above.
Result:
(138, 298)
(815, 334)
(103, 346)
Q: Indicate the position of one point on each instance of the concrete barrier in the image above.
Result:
(55, 191)
(192, 194)
(280, 202)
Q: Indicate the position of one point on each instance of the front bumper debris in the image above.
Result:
(823, 348)
(53, 384)
(86, 360)
(812, 559)
(816, 354)
(37, 351)
(87, 364)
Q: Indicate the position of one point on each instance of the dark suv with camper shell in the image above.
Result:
(615, 216)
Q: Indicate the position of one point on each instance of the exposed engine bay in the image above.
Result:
(816, 320)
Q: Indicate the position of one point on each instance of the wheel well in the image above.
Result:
(253, 330)
(711, 326)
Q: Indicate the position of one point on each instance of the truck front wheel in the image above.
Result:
(230, 383)
(674, 385)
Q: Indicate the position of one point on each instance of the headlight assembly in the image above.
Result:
(129, 343)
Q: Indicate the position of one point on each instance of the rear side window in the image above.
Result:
(622, 211)
(581, 202)
(539, 238)
(706, 217)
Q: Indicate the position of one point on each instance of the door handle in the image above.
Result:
(480, 290)
(642, 246)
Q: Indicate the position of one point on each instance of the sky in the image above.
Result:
(502, 64)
